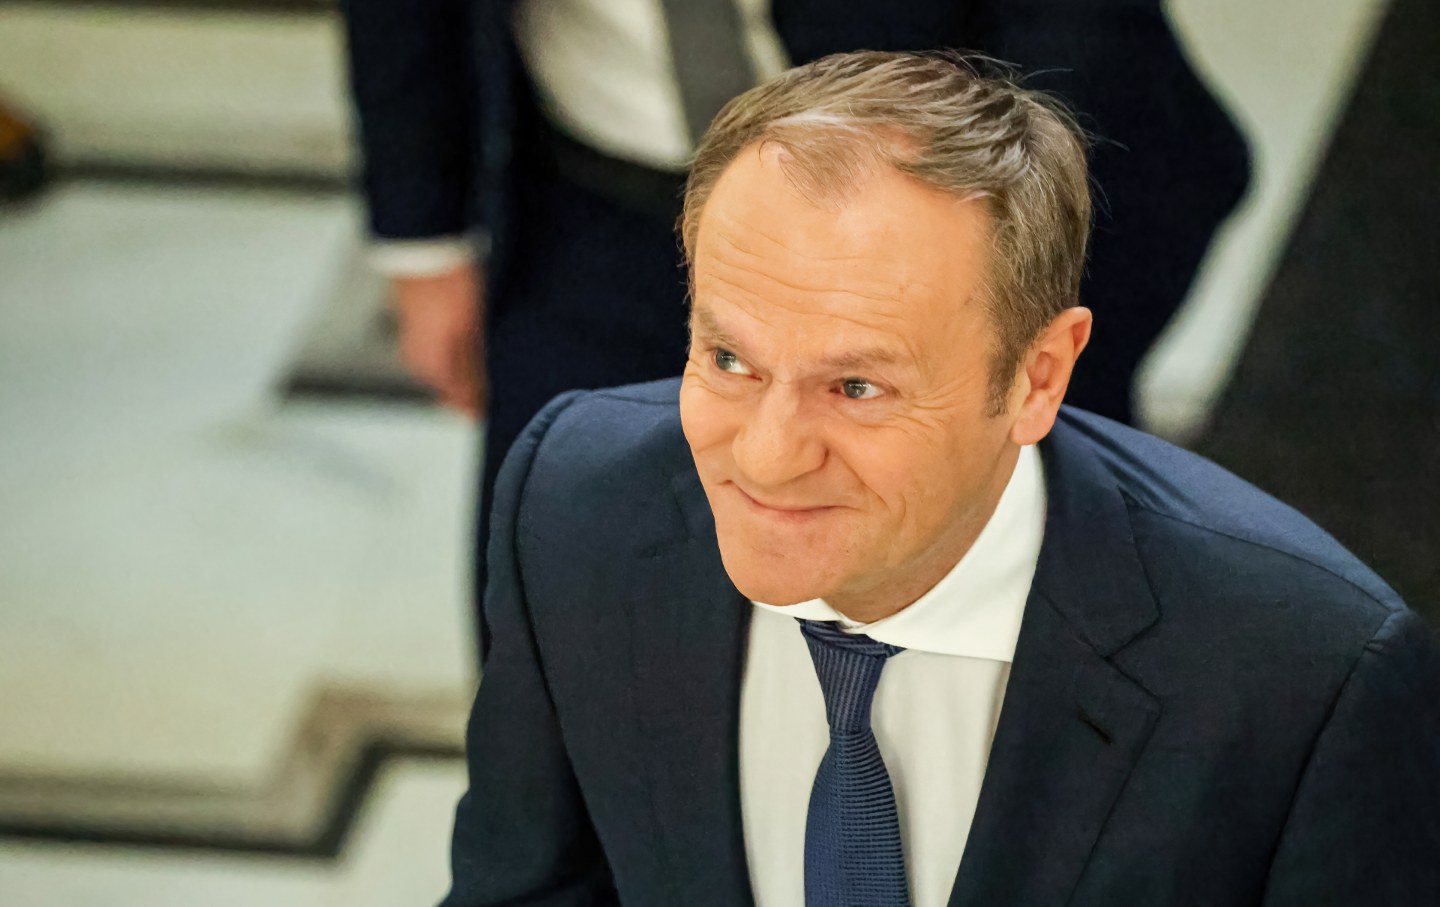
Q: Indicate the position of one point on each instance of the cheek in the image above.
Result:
(889, 464)
(707, 418)
(912, 477)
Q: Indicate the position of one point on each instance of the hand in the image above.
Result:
(442, 324)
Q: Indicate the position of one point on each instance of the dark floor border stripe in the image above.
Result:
(347, 390)
(201, 177)
(258, 7)
(349, 802)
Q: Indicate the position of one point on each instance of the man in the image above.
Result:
(561, 131)
(860, 616)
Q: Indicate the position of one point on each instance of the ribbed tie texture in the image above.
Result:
(853, 856)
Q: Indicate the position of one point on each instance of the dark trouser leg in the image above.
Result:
(595, 298)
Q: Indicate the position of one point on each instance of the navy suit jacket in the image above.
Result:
(1211, 702)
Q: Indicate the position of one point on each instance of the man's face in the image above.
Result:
(835, 395)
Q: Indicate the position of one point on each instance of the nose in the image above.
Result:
(777, 443)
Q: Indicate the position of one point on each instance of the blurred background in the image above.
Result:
(235, 631)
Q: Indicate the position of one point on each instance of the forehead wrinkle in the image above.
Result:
(883, 321)
(872, 355)
(733, 239)
(885, 290)
(890, 299)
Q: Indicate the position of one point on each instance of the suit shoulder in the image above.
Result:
(605, 432)
(602, 454)
(1229, 531)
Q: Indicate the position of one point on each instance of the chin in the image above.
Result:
(770, 578)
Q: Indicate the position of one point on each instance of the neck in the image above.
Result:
(904, 590)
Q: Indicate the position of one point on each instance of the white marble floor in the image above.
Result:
(166, 518)
(397, 856)
(186, 560)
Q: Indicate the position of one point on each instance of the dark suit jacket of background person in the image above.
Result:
(584, 293)
(1211, 702)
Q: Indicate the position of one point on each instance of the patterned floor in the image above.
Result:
(223, 621)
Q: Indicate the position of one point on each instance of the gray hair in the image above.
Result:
(936, 117)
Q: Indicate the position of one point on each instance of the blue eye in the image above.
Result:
(727, 361)
(858, 389)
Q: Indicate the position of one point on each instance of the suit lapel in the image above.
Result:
(689, 629)
(1072, 724)
(1071, 727)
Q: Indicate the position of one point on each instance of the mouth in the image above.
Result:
(784, 512)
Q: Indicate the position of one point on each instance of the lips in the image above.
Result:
(778, 510)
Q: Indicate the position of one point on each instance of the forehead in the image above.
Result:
(889, 257)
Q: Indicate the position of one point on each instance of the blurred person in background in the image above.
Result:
(22, 155)
(524, 162)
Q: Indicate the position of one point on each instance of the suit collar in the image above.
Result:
(1071, 729)
(1072, 724)
(1089, 568)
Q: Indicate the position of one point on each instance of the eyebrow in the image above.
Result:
(853, 359)
(711, 328)
(860, 359)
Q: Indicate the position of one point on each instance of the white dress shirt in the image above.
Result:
(604, 74)
(934, 714)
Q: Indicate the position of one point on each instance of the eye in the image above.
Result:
(858, 389)
(727, 361)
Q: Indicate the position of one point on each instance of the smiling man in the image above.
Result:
(857, 614)
(839, 399)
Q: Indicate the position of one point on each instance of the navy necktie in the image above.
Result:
(852, 833)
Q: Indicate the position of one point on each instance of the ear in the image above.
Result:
(1045, 373)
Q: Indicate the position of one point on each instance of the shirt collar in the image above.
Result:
(975, 610)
